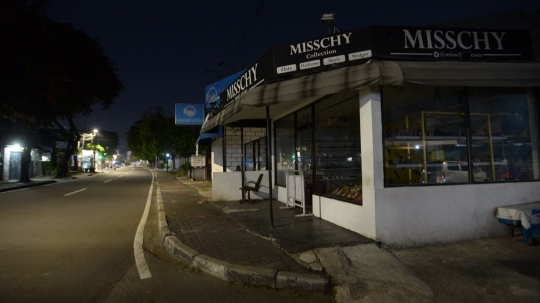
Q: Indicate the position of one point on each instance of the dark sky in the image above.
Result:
(161, 48)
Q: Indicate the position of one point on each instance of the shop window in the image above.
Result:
(428, 138)
(285, 153)
(503, 139)
(337, 158)
(255, 151)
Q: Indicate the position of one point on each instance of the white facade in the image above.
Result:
(396, 216)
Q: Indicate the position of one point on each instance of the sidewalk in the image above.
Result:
(235, 241)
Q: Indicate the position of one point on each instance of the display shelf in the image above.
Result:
(338, 170)
(432, 138)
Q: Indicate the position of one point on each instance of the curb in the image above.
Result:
(33, 184)
(232, 272)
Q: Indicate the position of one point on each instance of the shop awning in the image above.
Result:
(376, 73)
(218, 132)
(203, 136)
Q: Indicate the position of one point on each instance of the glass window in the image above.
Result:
(424, 135)
(255, 152)
(337, 148)
(503, 138)
(248, 152)
(428, 138)
(285, 153)
(261, 154)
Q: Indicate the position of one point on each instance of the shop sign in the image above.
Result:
(198, 161)
(261, 72)
(189, 114)
(213, 90)
(381, 42)
(444, 44)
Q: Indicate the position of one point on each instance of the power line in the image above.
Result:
(247, 30)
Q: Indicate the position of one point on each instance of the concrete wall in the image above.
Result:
(226, 186)
(414, 216)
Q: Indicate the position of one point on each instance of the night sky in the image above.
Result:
(162, 48)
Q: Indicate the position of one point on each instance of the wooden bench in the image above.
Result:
(248, 187)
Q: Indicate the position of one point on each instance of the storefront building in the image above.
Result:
(410, 136)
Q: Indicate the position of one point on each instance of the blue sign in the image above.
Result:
(188, 114)
(212, 91)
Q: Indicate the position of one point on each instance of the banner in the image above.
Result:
(189, 114)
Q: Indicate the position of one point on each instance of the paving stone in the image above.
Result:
(208, 230)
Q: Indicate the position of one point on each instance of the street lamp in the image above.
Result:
(328, 18)
(168, 156)
(94, 142)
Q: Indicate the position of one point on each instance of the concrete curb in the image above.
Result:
(33, 184)
(232, 272)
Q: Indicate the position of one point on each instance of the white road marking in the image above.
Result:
(75, 192)
(107, 181)
(142, 266)
(120, 176)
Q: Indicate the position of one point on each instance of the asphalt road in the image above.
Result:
(74, 242)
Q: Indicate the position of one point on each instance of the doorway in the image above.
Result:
(15, 165)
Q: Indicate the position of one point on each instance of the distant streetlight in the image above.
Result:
(168, 157)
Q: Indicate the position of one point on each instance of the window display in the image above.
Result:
(337, 149)
(503, 139)
(325, 145)
(429, 139)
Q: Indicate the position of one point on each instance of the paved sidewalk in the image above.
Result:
(228, 238)
(205, 228)
(209, 236)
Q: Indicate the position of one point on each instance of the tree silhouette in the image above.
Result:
(51, 73)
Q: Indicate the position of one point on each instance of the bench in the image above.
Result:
(251, 186)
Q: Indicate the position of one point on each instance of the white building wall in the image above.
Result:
(415, 216)
(400, 216)
(420, 215)
(217, 156)
(226, 186)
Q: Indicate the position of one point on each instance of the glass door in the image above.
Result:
(304, 155)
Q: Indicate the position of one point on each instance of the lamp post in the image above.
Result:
(168, 156)
(114, 160)
(94, 141)
(81, 157)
